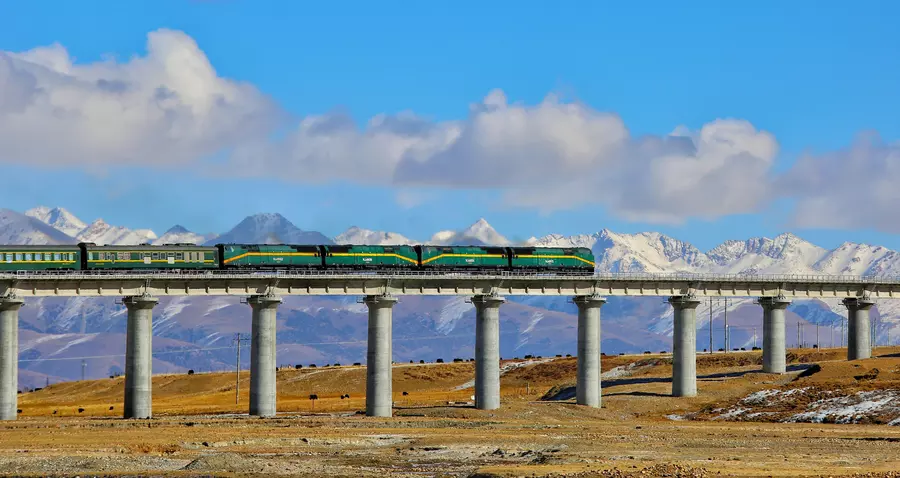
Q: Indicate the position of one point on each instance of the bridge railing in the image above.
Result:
(499, 275)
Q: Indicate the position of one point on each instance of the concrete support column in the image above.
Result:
(587, 388)
(487, 351)
(774, 349)
(379, 379)
(9, 356)
(262, 355)
(139, 356)
(684, 346)
(859, 333)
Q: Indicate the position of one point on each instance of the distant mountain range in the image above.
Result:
(196, 332)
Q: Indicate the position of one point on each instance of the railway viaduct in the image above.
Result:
(264, 291)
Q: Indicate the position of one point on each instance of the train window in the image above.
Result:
(27, 256)
(388, 249)
(18, 256)
(48, 256)
(56, 256)
(155, 256)
(9, 257)
(179, 256)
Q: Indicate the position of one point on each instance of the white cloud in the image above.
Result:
(852, 188)
(168, 107)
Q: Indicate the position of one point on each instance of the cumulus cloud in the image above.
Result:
(550, 156)
(851, 188)
(168, 107)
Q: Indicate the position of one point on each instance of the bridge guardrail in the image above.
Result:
(318, 274)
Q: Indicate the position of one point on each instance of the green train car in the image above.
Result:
(262, 256)
(463, 257)
(551, 259)
(39, 258)
(145, 256)
(365, 257)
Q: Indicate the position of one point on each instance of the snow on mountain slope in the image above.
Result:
(785, 254)
(101, 233)
(859, 259)
(644, 252)
(269, 228)
(59, 218)
(356, 235)
(480, 234)
(180, 235)
(18, 228)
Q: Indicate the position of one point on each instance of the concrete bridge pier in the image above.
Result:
(139, 356)
(262, 355)
(9, 356)
(859, 332)
(587, 387)
(684, 346)
(379, 356)
(774, 349)
(487, 351)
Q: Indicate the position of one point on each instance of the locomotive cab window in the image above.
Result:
(179, 256)
(155, 256)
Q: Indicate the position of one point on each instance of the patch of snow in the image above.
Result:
(452, 312)
(356, 235)
(851, 408)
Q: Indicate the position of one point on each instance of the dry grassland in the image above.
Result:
(640, 431)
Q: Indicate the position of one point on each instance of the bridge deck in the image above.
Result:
(210, 283)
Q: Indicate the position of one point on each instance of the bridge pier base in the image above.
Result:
(774, 349)
(379, 356)
(587, 387)
(684, 346)
(859, 332)
(9, 356)
(139, 356)
(262, 355)
(487, 351)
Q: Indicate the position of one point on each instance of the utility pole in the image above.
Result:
(754, 338)
(798, 335)
(727, 338)
(238, 338)
(83, 367)
(710, 325)
(817, 336)
(725, 319)
(842, 332)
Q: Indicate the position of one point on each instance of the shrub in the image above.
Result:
(568, 355)
(405, 393)
(440, 360)
(190, 371)
(421, 361)
(313, 397)
(457, 360)
(337, 364)
(357, 364)
(558, 355)
(298, 367)
(529, 356)
(312, 365)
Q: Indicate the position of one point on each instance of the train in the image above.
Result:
(262, 257)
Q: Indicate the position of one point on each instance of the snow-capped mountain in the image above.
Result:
(59, 327)
(101, 233)
(180, 235)
(644, 252)
(18, 228)
(479, 233)
(269, 229)
(59, 218)
(356, 235)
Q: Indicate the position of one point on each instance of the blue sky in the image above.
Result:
(814, 75)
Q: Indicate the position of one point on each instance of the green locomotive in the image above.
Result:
(370, 257)
(263, 256)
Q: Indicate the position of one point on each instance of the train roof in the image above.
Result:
(43, 247)
(150, 247)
